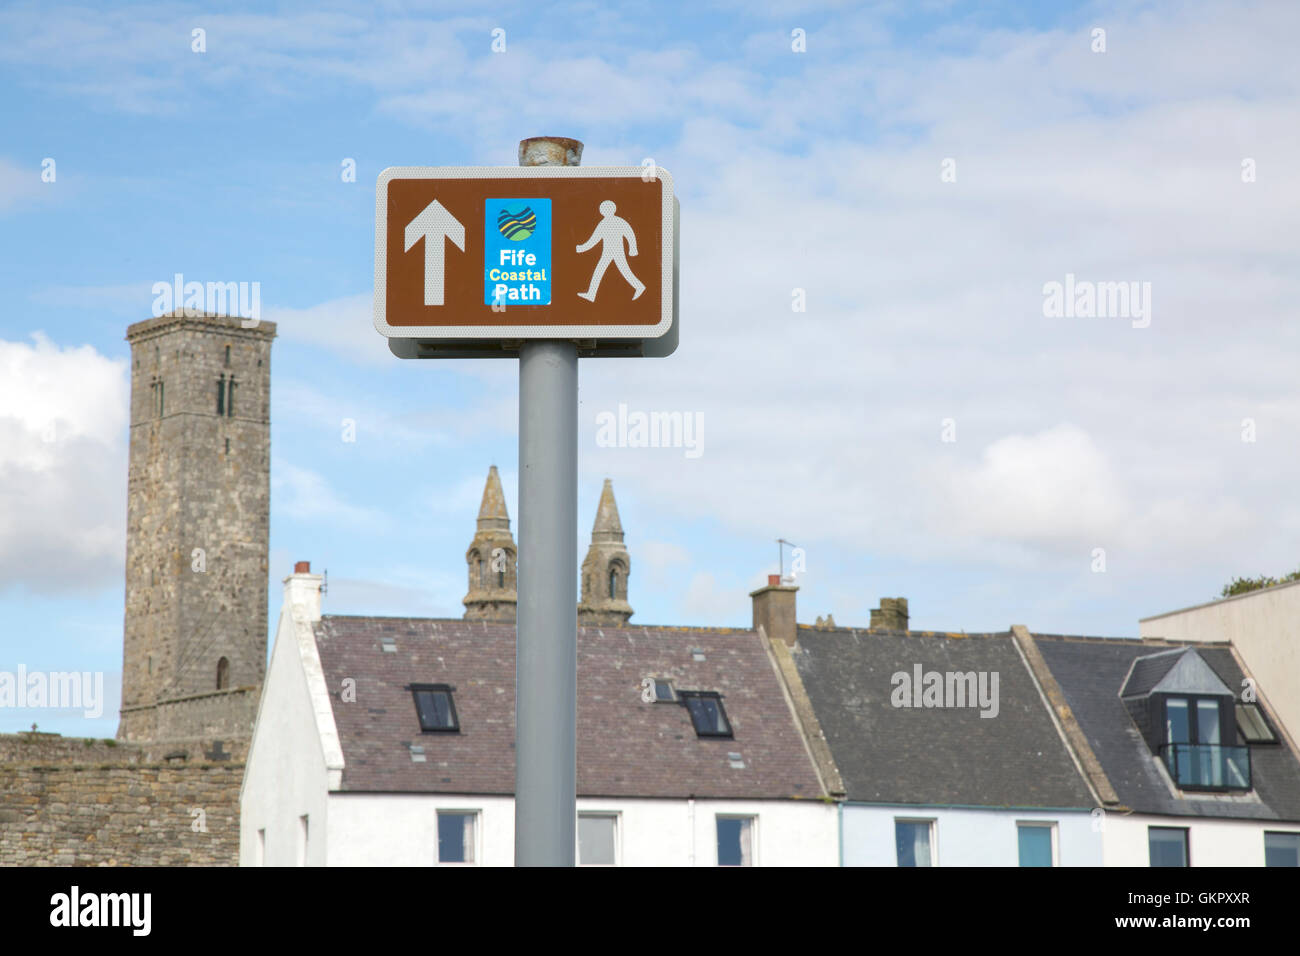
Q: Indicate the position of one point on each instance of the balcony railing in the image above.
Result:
(1208, 766)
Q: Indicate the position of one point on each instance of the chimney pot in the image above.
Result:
(773, 580)
(302, 567)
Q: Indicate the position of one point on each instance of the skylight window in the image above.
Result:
(663, 691)
(435, 707)
(1254, 728)
(707, 714)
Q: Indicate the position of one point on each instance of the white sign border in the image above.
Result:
(451, 333)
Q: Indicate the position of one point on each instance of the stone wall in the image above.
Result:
(219, 713)
(68, 801)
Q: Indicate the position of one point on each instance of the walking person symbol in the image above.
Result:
(610, 232)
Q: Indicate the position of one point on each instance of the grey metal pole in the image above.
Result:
(546, 647)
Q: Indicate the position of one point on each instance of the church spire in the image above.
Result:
(491, 559)
(605, 569)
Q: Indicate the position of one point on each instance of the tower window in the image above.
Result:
(221, 395)
(160, 400)
(230, 397)
(223, 673)
(227, 356)
(501, 579)
(227, 446)
(482, 581)
(613, 582)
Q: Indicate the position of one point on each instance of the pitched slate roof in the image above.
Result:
(1091, 672)
(625, 747)
(934, 756)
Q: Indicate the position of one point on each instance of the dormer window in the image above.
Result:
(1185, 712)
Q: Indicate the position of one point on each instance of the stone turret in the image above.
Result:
(493, 571)
(605, 569)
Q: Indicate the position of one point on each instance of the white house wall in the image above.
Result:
(1210, 842)
(286, 775)
(966, 837)
(401, 830)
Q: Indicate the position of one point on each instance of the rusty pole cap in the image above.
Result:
(550, 151)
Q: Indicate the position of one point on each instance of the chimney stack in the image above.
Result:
(303, 588)
(774, 609)
(890, 616)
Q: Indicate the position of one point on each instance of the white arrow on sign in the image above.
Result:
(434, 225)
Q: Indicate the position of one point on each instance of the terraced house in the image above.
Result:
(390, 740)
(1103, 751)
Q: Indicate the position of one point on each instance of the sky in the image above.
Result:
(876, 200)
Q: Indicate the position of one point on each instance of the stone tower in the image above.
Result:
(493, 573)
(605, 569)
(198, 493)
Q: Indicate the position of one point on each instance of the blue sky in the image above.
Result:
(818, 171)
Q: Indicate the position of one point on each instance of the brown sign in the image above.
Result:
(479, 253)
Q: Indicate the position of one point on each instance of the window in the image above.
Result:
(597, 839)
(435, 707)
(1281, 849)
(501, 579)
(1168, 846)
(456, 836)
(223, 673)
(613, 582)
(227, 356)
(302, 840)
(221, 395)
(1036, 843)
(1194, 750)
(707, 715)
(1252, 725)
(914, 839)
(735, 841)
(230, 397)
(663, 691)
(482, 581)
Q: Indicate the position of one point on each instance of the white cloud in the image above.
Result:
(132, 299)
(707, 603)
(19, 183)
(63, 414)
(305, 495)
(346, 326)
(1052, 489)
